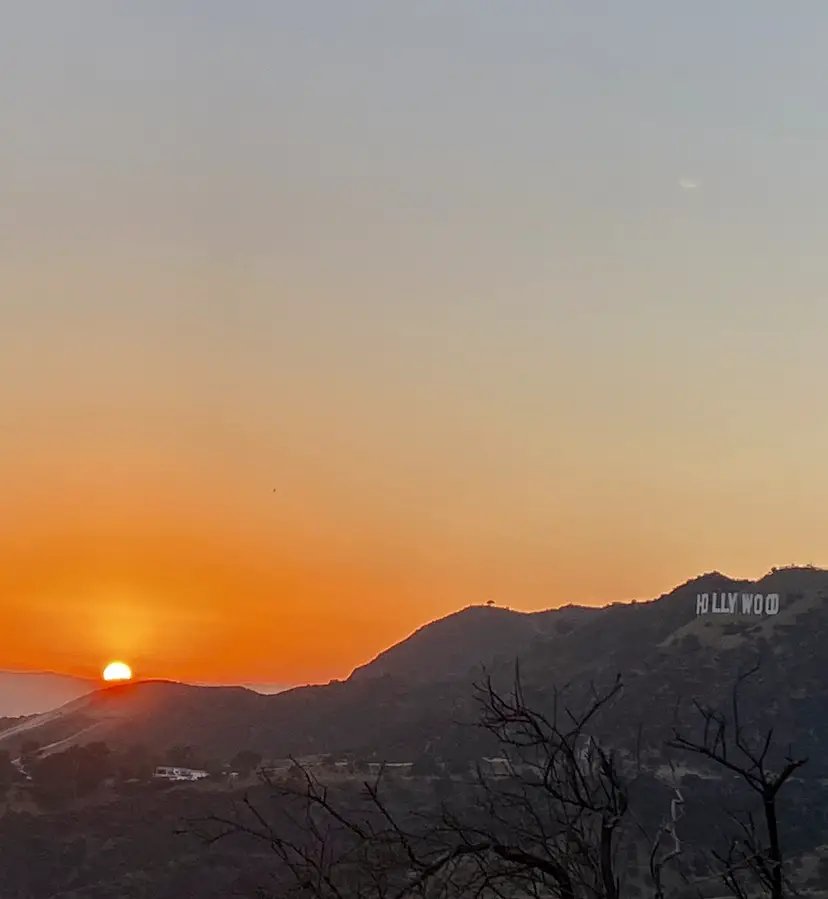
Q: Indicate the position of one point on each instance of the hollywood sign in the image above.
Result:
(737, 603)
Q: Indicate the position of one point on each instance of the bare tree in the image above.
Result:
(660, 857)
(726, 743)
(552, 820)
(559, 813)
(549, 825)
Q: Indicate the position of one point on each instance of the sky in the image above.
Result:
(321, 320)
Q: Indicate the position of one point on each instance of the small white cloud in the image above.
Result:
(689, 184)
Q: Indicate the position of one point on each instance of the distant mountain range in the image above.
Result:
(24, 693)
(28, 693)
(418, 696)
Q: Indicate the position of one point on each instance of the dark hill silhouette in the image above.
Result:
(418, 695)
(455, 645)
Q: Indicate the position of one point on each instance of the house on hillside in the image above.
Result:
(166, 772)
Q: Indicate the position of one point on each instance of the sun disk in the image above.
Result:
(115, 671)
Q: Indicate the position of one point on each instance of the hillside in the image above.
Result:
(458, 644)
(418, 696)
(403, 684)
(128, 845)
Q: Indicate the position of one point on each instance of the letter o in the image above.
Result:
(758, 604)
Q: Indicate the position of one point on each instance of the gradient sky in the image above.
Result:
(319, 320)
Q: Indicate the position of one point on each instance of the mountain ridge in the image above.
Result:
(499, 631)
(411, 697)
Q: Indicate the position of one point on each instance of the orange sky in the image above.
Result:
(315, 326)
(226, 581)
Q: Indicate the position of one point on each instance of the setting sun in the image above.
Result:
(116, 671)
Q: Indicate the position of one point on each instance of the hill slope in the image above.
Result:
(463, 641)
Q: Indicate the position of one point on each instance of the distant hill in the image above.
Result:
(29, 693)
(267, 689)
(455, 645)
(306, 719)
(418, 696)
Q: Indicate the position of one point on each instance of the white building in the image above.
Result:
(165, 772)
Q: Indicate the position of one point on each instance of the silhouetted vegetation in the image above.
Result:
(8, 773)
(754, 858)
(568, 817)
(73, 774)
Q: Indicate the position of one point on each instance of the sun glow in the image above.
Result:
(117, 671)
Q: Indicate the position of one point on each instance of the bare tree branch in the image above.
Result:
(731, 749)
